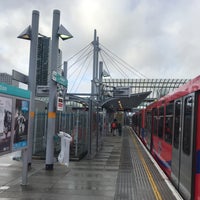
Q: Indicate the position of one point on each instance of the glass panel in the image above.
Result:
(177, 123)
(187, 125)
(148, 121)
(169, 123)
(148, 127)
(155, 116)
(160, 122)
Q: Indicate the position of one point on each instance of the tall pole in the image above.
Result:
(27, 153)
(65, 69)
(100, 80)
(99, 99)
(93, 90)
(65, 75)
(65, 89)
(95, 63)
(97, 58)
(32, 77)
(52, 93)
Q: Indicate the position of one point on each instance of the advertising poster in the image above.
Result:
(5, 124)
(21, 124)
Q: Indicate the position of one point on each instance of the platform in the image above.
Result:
(122, 170)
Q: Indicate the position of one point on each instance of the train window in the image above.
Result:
(187, 125)
(160, 122)
(140, 123)
(169, 123)
(148, 121)
(155, 116)
(177, 124)
(148, 125)
(170, 108)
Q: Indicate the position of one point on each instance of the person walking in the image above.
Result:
(119, 126)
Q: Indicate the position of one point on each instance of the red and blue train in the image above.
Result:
(170, 130)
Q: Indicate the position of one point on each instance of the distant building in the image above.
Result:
(59, 62)
(43, 64)
(43, 61)
(7, 78)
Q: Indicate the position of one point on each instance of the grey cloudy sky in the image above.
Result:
(159, 38)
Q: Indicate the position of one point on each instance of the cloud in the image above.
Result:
(158, 38)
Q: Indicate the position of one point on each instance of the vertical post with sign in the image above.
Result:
(57, 30)
(52, 93)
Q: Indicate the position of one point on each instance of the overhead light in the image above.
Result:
(26, 34)
(120, 105)
(63, 33)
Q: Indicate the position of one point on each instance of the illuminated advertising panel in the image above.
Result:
(21, 124)
(5, 124)
(14, 118)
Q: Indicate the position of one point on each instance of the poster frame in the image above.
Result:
(16, 94)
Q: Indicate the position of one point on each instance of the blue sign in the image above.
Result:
(59, 79)
(14, 91)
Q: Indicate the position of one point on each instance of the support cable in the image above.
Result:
(80, 70)
(125, 64)
(86, 69)
(114, 63)
(73, 71)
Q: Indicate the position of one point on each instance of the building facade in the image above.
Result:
(7, 78)
(43, 61)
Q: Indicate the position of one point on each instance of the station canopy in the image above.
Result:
(142, 92)
(125, 103)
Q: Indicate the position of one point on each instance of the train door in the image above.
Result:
(175, 165)
(182, 144)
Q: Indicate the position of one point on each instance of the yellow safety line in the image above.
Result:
(151, 180)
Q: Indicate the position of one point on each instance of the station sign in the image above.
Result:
(42, 91)
(59, 79)
(60, 104)
(122, 92)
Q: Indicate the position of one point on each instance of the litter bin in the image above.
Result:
(63, 156)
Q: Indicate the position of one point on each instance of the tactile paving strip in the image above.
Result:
(143, 187)
(133, 182)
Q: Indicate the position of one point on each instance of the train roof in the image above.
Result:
(190, 87)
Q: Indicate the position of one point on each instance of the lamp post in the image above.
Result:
(31, 33)
(57, 31)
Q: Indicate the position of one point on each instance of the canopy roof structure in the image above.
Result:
(125, 103)
(143, 91)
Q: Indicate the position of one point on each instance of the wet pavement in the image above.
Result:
(121, 170)
(85, 179)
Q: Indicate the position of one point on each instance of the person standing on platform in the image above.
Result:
(114, 127)
(119, 126)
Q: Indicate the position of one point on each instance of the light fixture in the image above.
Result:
(26, 34)
(120, 105)
(63, 33)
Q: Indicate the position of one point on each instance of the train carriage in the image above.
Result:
(171, 132)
